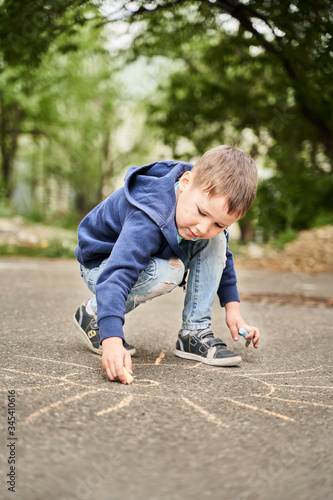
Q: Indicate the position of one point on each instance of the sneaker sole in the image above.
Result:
(91, 347)
(131, 351)
(232, 361)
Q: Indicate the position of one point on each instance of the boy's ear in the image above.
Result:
(185, 180)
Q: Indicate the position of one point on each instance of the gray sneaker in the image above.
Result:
(201, 345)
(89, 328)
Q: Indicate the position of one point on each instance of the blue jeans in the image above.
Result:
(205, 261)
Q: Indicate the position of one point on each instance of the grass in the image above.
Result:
(54, 249)
(283, 238)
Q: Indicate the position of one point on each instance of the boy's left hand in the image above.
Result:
(235, 321)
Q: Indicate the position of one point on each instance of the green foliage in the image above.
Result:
(255, 74)
(6, 209)
(323, 219)
(77, 114)
(259, 67)
(35, 215)
(68, 220)
(294, 201)
(55, 250)
(58, 105)
(28, 29)
(284, 238)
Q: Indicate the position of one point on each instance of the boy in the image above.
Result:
(169, 218)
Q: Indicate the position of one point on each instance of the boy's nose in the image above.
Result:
(202, 229)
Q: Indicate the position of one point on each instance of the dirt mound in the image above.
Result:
(312, 252)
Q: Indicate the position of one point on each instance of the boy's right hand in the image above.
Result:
(114, 358)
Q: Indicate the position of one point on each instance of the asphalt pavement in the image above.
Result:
(182, 430)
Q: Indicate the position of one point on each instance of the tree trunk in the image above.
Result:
(10, 119)
(246, 230)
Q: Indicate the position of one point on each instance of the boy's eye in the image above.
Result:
(216, 223)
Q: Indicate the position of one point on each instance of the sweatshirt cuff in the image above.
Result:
(111, 326)
(230, 294)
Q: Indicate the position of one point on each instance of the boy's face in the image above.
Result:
(197, 215)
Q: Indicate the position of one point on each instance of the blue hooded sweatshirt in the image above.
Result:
(133, 224)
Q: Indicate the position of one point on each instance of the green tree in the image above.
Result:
(254, 66)
(63, 103)
(29, 28)
(257, 66)
(28, 32)
(76, 109)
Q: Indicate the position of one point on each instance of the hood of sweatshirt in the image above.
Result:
(151, 188)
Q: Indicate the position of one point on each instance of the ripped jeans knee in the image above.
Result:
(160, 276)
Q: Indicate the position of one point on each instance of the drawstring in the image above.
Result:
(183, 283)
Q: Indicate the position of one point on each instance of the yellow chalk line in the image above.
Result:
(124, 402)
(172, 365)
(305, 386)
(62, 380)
(153, 383)
(38, 387)
(255, 408)
(317, 393)
(194, 366)
(281, 373)
(56, 361)
(34, 374)
(159, 359)
(209, 416)
(271, 386)
(295, 401)
(45, 409)
(305, 377)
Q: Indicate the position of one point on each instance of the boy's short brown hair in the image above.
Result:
(228, 171)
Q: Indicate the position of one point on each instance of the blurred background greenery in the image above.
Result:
(88, 88)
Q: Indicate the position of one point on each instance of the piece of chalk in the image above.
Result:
(243, 333)
(129, 378)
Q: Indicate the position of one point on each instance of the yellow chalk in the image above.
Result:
(129, 378)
